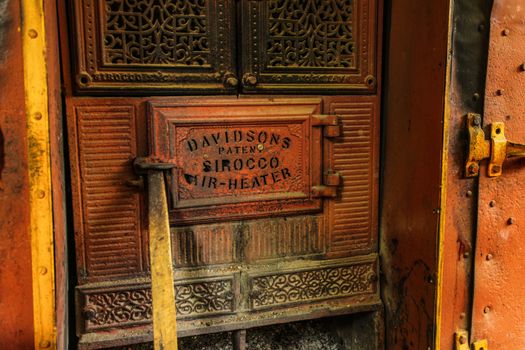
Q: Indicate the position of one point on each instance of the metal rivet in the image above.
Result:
(475, 97)
(481, 27)
(40, 194)
(496, 169)
(38, 116)
(462, 339)
(469, 194)
(260, 147)
(508, 117)
(473, 169)
(500, 92)
(476, 121)
(486, 310)
(462, 315)
(466, 255)
(489, 257)
(45, 344)
(492, 203)
(511, 221)
(32, 33)
(42, 270)
(505, 32)
(522, 67)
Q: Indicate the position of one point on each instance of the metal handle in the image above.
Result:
(497, 149)
(162, 284)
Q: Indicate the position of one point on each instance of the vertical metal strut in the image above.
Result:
(162, 286)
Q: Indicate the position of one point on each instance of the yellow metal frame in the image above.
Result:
(39, 166)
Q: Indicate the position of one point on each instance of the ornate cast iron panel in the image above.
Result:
(242, 258)
(217, 299)
(309, 45)
(140, 45)
(239, 158)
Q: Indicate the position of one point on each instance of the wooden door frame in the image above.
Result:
(422, 107)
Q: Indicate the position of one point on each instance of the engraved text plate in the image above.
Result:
(239, 158)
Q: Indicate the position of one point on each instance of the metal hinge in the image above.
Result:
(330, 123)
(462, 342)
(496, 150)
(329, 188)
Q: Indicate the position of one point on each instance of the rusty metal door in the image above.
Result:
(499, 296)
(273, 186)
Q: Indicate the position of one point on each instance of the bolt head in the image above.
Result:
(492, 203)
(473, 169)
(496, 169)
(462, 339)
(489, 257)
(476, 121)
(511, 221)
(469, 194)
(486, 310)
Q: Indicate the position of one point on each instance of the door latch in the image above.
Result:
(461, 342)
(496, 150)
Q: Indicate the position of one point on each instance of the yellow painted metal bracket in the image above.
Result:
(39, 166)
(481, 345)
(496, 150)
(162, 288)
(461, 342)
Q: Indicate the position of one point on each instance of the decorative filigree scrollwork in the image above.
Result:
(156, 32)
(312, 285)
(119, 307)
(110, 308)
(310, 33)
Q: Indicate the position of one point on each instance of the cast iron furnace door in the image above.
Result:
(269, 111)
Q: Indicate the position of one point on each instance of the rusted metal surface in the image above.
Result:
(190, 47)
(466, 90)
(498, 306)
(309, 46)
(265, 192)
(414, 110)
(239, 159)
(16, 298)
(224, 253)
(58, 182)
(183, 47)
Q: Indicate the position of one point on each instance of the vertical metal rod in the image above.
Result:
(162, 287)
(239, 339)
